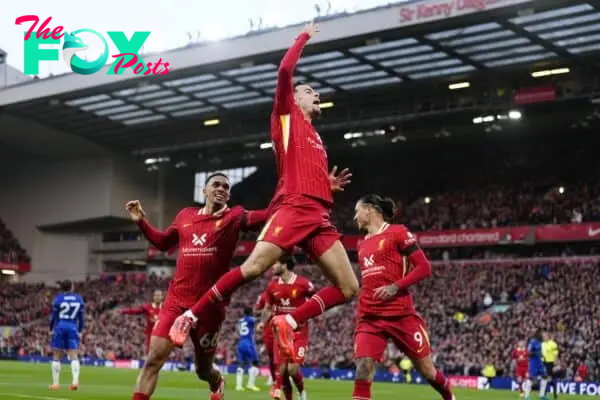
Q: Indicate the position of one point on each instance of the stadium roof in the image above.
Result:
(386, 50)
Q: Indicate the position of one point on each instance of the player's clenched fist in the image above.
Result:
(311, 28)
(135, 210)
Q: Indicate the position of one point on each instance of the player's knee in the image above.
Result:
(427, 369)
(155, 361)
(264, 255)
(293, 369)
(350, 288)
(365, 367)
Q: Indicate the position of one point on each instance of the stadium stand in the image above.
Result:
(10, 248)
(476, 312)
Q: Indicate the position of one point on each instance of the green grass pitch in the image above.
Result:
(20, 381)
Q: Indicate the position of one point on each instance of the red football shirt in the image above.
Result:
(521, 357)
(299, 150)
(206, 245)
(382, 263)
(284, 297)
(150, 311)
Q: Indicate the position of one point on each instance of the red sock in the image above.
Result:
(140, 396)
(220, 291)
(325, 299)
(299, 381)
(278, 378)
(287, 387)
(362, 390)
(442, 385)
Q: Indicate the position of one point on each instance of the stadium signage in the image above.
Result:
(128, 56)
(432, 10)
(564, 233)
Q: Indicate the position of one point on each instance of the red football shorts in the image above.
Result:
(300, 350)
(204, 335)
(301, 221)
(522, 373)
(408, 333)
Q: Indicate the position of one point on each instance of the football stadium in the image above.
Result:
(372, 199)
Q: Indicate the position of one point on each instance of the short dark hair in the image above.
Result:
(247, 311)
(289, 261)
(213, 175)
(385, 205)
(298, 83)
(66, 286)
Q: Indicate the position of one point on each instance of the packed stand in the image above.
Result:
(458, 304)
(466, 183)
(10, 248)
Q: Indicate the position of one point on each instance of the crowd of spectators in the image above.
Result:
(10, 248)
(476, 313)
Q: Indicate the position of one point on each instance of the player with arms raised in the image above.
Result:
(520, 357)
(285, 294)
(385, 306)
(207, 239)
(66, 325)
(301, 208)
(150, 311)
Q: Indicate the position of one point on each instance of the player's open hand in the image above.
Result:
(135, 210)
(338, 181)
(311, 28)
(386, 292)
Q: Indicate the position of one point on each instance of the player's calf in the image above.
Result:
(294, 372)
(160, 348)
(435, 377)
(365, 369)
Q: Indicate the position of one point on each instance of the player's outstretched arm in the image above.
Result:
(255, 218)
(285, 75)
(162, 240)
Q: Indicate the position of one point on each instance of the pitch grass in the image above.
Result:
(21, 381)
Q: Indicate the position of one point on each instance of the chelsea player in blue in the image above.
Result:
(246, 351)
(536, 364)
(66, 324)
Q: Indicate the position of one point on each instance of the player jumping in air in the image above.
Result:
(301, 210)
(285, 294)
(520, 356)
(66, 325)
(247, 357)
(150, 311)
(385, 306)
(207, 239)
